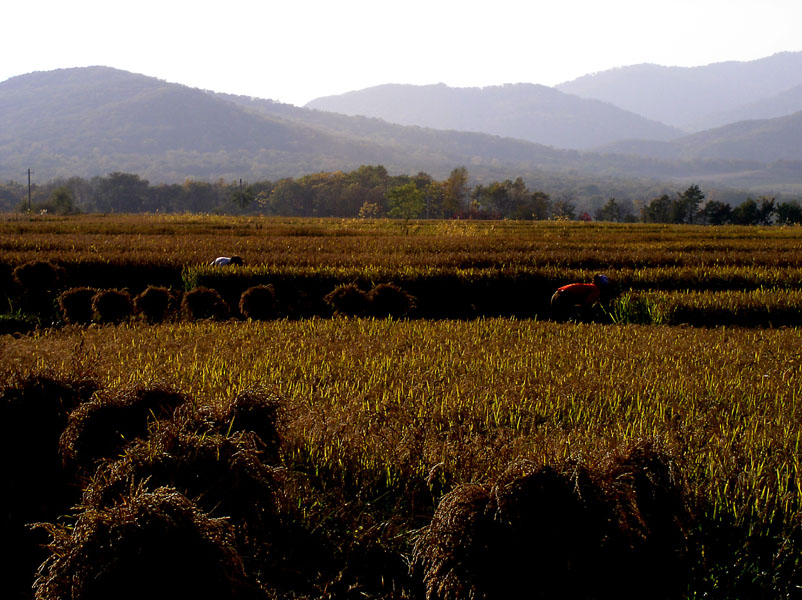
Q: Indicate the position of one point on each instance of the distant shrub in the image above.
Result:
(39, 276)
(258, 303)
(204, 303)
(76, 305)
(112, 306)
(153, 303)
(348, 299)
(155, 544)
(387, 299)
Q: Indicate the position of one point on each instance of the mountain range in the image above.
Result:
(698, 98)
(535, 113)
(94, 120)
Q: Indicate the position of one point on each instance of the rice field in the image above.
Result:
(384, 420)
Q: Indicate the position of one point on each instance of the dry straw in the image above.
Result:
(154, 544)
(614, 529)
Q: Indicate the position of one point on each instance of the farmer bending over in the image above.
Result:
(224, 261)
(580, 296)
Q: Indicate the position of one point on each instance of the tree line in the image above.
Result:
(371, 192)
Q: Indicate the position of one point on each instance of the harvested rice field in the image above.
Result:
(431, 431)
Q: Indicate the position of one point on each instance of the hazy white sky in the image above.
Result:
(296, 50)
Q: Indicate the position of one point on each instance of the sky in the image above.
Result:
(296, 50)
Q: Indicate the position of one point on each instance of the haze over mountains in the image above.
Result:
(535, 113)
(95, 120)
(697, 98)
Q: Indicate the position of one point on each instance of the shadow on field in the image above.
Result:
(619, 531)
(142, 493)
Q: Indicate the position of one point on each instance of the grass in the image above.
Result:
(503, 389)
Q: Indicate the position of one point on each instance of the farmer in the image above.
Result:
(224, 261)
(580, 296)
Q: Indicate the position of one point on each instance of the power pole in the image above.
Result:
(29, 190)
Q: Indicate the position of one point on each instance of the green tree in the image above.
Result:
(540, 202)
(405, 202)
(658, 210)
(746, 213)
(686, 207)
(61, 202)
(455, 192)
(242, 197)
(609, 212)
(11, 195)
(766, 210)
(789, 213)
(717, 213)
(120, 192)
(167, 198)
(752, 212)
(290, 199)
(198, 196)
(494, 199)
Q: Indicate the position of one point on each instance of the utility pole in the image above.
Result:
(29, 190)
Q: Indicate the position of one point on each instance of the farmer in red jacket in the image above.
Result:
(579, 296)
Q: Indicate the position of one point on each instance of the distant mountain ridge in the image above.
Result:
(96, 120)
(693, 98)
(785, 103)
(535, 113)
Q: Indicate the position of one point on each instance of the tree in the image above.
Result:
(563, 208)
(455, 192)
(405, 202)
(242, 197)
(199, 196)
(11, 194)
(60, 202)
(494, 199)
(609, 212)
(717, 213)
(789, 213)
(752, 212)
(120, 192)
(766, 210)
(289, 199)
(686, 206)
(166, 197)
(746, 213)
(658, 210)
(541, 206)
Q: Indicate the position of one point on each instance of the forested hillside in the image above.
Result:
(772, 140)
